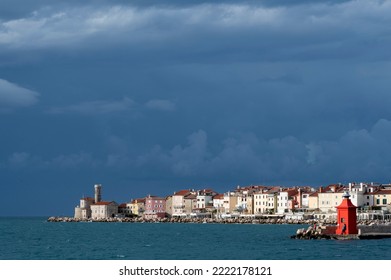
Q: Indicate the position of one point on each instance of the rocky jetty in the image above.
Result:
(312, 232)
(368, 229)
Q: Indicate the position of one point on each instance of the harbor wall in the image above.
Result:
(364, 229)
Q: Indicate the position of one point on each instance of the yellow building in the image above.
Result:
(137, 206)
(382, 198)
(313, 202)
(260, 202)
(230, 202)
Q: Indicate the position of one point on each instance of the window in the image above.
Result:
(377, 200)
(384, 200)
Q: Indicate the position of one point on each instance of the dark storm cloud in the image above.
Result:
(161, 95)
(226, 31)
(356, 154)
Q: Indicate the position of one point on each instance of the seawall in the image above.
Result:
(236, 220)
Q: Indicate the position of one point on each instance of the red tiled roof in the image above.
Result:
(273, 190)
(103, 203)
(182, 192)
(382, 192)
(122, 205)
(87, 198)
(292, 192)
(190, 196)
(219, 196)
(138, 200)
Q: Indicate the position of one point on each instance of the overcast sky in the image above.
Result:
(150, 97)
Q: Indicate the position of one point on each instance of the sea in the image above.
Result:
(37, 239)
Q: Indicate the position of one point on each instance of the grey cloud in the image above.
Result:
(101, 107)
(162, 105)
(180, 160)
(279, 32)
(97, 107)
(356, 155)
(75, 161)
(18, 159)
(187, 160)
(13, 95)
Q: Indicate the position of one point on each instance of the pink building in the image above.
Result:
(155, 207)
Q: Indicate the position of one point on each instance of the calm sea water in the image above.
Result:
(34, 238)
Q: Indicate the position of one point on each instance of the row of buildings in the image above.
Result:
(251, 200)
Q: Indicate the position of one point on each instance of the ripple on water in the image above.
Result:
(33, 239)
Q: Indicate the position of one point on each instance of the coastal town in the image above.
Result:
(373, 202)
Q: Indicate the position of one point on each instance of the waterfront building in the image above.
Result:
(218, 204)
(83, 210)
(330, 197)
(137, 206)
(245, 199)
(169, 206)
(313, 201)
(218, 201)
(302, 196)
(104, 209)
(205, 198)
(271, 200)
(229, 203)
(286, 200)
(155, 207)
(124, 210)
(183, 203)
(382, 198)
(190, 203)
(261, 201)
(360, 194)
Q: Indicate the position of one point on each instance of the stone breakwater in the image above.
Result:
(312, 232)
(368, 229)
(237, 220)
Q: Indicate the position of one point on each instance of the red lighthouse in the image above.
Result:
(347, 217)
